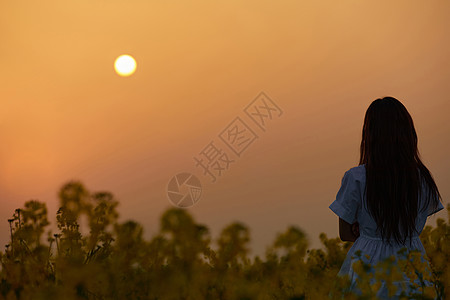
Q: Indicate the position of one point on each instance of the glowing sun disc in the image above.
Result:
(125, 65)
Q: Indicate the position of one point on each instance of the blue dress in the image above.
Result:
(350, 207)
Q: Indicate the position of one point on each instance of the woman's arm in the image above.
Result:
(348, 232)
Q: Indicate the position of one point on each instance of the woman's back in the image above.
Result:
(350, 205)
(367, 225)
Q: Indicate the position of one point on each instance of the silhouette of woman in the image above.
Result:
(383, 203)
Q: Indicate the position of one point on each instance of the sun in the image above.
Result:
(125, 65)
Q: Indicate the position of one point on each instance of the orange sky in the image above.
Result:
(67, 115)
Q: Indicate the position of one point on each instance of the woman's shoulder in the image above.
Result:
(358, 172)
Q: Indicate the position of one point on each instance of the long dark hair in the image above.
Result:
(394, 172)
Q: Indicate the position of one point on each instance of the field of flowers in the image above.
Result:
(114, 261)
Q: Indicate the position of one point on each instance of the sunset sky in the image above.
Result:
(66, 114)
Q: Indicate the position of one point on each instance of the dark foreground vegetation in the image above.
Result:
(114, 261)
